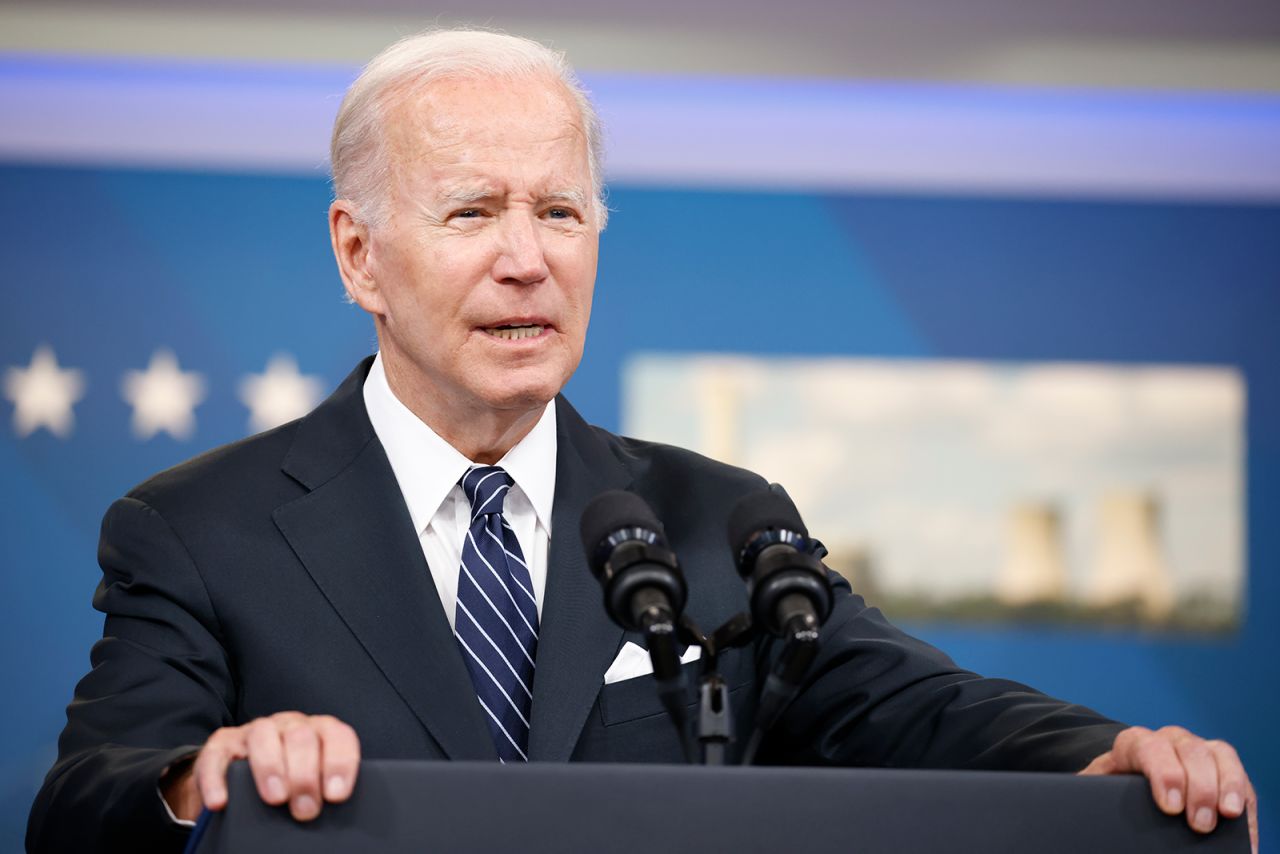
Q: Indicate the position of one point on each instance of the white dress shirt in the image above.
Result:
(428, 469)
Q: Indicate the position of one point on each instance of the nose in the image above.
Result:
(520, 259)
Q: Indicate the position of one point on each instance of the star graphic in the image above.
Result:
(163, 397)
(279, 394)
(43, 394)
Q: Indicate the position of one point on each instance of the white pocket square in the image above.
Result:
(633, 660)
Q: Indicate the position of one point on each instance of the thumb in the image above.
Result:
(1104, 764)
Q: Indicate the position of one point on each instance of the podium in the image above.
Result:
(655, 809)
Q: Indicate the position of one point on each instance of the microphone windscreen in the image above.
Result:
(763, 510)
(609, 512)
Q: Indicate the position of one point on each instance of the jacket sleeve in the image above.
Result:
(876, 696)
(160, 683)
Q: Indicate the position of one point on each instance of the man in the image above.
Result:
(398, 573)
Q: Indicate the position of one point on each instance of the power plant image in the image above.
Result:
(975, 491)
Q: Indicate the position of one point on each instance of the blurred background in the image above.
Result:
(1007, 273)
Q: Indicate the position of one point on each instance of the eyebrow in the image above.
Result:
(464, 195)
(573, 195)
(470, 195)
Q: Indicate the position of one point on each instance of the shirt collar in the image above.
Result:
(427, 467)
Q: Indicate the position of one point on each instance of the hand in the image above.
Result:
(293, 758)
(1185, 771)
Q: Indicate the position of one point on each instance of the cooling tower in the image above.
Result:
(1034, 570)
(1130, 564)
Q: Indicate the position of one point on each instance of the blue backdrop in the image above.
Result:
(106, 266)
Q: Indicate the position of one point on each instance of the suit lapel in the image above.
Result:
(354, 535)
(576, 639)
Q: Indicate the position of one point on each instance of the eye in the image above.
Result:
(468, 213)
(561, 213)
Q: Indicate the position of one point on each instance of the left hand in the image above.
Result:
(1186, 772)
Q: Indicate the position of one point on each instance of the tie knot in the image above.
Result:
(486, 488)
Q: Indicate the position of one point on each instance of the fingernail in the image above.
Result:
(305, 807)
(335, 788)
(1204, 818)
(275, 788)
(1233, 803)
(1174, 799)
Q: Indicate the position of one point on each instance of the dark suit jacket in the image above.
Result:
(283, 572)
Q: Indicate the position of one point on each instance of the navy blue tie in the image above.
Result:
(497, 619)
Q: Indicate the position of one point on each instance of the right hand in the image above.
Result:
(303, 760)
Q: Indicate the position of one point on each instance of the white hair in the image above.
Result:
(361, 170)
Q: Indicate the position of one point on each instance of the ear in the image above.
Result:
(352, 250)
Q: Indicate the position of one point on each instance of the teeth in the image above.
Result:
(514, 333)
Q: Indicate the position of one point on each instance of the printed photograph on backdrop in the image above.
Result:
(980, 491)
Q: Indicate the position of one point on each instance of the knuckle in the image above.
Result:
(259, 728)
(221, 738)
(1132, 737)
(336, 733)
(1150, 751)
(299, 737)
(1195, 751)
(1224, 749)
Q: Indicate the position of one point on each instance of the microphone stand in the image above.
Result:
(661, 633)
(715, 723)
(783, 682)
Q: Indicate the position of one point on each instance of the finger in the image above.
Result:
(1104, 764)
(210, 768)
(1202, 781)
(266, 761)
(339, 757)
(302, 769)
(1251, 807)
(1233, 783)
(1152, 755)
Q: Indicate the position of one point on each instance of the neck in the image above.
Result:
(481, 434)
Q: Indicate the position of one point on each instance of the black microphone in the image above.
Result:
(644, 589)
(627, 551)
(790, 595)
(785, 578)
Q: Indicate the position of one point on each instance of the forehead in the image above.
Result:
(487, 129)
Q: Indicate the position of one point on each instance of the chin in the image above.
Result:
(525, 388)
(527, 396)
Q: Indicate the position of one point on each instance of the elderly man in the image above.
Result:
(381, 577)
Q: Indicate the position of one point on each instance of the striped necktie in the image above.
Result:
(497, 618)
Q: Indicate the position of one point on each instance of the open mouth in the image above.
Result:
(514, 332)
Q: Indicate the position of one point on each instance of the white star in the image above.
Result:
(43, 394)
(280, 394)
(163, 397)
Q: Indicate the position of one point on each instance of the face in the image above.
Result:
(481, 280)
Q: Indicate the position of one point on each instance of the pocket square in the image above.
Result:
(633, 660)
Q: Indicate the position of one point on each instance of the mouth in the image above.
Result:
(516, 331)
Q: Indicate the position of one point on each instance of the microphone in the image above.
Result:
(785, 578)
(644, 589)
(627, 551)
(790, 595)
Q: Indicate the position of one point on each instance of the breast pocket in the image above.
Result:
(637, 698)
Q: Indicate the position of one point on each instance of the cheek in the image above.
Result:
(433, 283)
(578, 274)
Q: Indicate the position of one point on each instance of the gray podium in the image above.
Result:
(654, 809)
